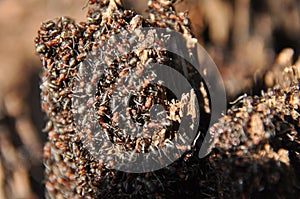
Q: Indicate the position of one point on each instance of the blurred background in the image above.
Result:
(242, 36)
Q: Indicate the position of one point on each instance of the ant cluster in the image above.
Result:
(256, 143)
(77, 91)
